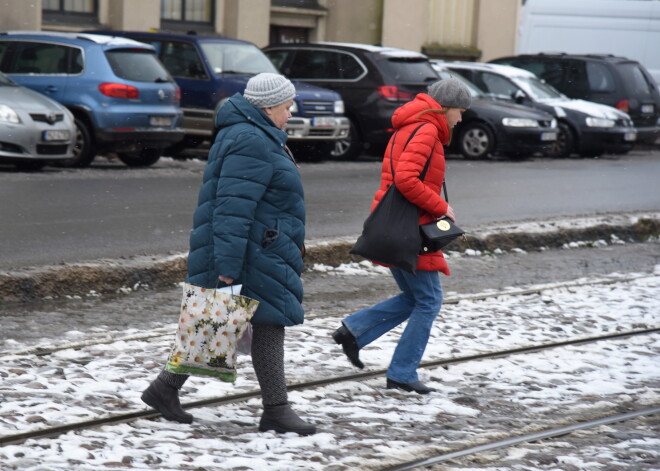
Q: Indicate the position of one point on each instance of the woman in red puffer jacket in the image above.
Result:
(423, 126)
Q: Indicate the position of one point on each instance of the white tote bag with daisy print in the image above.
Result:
(211, 323)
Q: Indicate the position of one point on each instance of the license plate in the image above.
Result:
(647, 109)
(56, 135)
(549, 136)
(323, 122)
(630, 136)
(160, 121)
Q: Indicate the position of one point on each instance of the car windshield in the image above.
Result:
(233, 58)
(137, 65)
(537, 89)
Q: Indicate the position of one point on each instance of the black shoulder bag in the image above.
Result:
(437, 235)
(391, 234)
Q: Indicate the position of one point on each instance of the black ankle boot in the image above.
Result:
(282, 419)
(416, 386)
(165, 399)
(347, 341)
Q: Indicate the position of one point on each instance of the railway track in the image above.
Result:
(217, 401)
(168, 332)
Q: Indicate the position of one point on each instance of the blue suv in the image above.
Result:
(122, 98)
(210, 69)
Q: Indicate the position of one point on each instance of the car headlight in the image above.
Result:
(600, 122)
(520, 122)
(553, 123)
(339, 107)
(8, 115)
(294, 108)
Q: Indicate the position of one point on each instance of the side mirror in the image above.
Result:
(518, 96)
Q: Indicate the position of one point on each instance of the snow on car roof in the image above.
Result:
(506, 70)
(96, 38)
(387, 51)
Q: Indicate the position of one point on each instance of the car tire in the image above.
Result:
(83, 150)
(476, 141)
(565, 144)
(145, 158)
(349, 148)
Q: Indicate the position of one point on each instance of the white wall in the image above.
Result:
(629, 28)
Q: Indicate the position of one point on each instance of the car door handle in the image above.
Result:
(51, 88)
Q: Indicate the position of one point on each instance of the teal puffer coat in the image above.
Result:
(249, 224)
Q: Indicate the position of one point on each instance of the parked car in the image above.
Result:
(33, 128)
(372, 80)
(494, 127)
(211, 69)
(607, 79)
(122, 98)
(585, 128)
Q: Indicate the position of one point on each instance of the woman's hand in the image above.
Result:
(450, 213)
(226, 280)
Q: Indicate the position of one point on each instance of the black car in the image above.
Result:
(611, 80)
(373, 81)
(492, 127)
(585, 128)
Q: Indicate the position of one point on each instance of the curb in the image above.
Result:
(117, 275)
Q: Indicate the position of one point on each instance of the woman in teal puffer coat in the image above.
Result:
(249, 229)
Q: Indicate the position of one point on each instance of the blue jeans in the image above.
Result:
(419, 303)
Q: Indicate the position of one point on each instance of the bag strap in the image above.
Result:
(428, 162)
(426, 167)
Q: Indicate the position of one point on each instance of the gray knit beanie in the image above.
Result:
(265, 90)
(450, 93)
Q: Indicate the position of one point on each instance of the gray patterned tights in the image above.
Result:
(267, 360)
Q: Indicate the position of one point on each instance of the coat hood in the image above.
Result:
(413, 112)
(238, 110)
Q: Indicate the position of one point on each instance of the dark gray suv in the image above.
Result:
(373, 81)
(611, 80)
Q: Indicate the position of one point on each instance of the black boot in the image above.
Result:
(282, 419)
(416, 386)
(165, 399)
(349, 345)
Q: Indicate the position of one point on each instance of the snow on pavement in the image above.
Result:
(361, 424)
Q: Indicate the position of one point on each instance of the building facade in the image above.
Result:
(449, 29)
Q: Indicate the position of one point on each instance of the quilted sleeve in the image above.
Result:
(244, 177)
(410, 165)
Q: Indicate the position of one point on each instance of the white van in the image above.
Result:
(628, 28)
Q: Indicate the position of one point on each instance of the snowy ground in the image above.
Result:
(361, 424)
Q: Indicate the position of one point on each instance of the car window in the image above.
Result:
(226, 58)
(600, 77)
(138, 66)
(316, 64)
(277, 58)
(181, 59)
(635, 79)
(3, 50)
(38, 58)
(538, 89)
(495, 84)
(409, 70)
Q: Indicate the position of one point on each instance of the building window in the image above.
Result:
(188, 11)
(78, 7)
(70, 12)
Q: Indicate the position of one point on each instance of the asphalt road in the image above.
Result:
(111, 211)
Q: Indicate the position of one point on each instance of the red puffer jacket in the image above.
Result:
(427, 141)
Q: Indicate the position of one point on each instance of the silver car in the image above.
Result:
(33, 128)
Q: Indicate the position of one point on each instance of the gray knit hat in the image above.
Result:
(450, 93)
(265, 90)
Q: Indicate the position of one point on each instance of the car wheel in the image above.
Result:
(565, 143)
(350, 147)
(83, 150)
(144, 159)
(476, 141)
